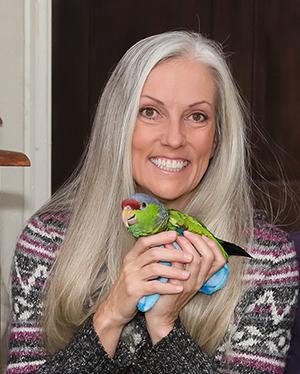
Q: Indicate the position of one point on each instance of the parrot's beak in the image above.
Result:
(128, 216)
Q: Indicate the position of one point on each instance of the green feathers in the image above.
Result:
(144, 215)
(181, 220)
(149, 221)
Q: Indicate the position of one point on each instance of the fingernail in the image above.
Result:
(188, 256)
(185, 273)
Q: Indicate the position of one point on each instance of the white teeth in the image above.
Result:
(169, 165)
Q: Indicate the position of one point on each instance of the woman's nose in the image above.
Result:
(174, 134)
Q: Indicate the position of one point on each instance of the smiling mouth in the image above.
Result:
(169, 165)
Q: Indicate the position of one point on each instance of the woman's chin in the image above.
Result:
(172, 199)
(171, 196)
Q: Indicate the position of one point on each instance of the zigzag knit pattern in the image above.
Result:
(259, 336)
(35, 252)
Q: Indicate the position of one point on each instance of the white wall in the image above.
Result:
(25, 108)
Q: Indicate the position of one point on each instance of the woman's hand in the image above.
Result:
(207, 259)
(137, 278)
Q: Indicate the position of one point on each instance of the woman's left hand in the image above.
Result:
(207, 259)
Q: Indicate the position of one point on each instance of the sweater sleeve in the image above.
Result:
(84, 354)
(34, 255)
(260, 337)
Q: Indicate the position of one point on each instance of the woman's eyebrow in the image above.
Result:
(153, 98)
(162, 103)
(200, 102)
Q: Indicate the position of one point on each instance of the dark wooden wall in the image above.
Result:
(261, 38)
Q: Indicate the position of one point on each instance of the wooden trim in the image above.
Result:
(11, 158)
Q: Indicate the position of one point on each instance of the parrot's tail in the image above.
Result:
(233, 249)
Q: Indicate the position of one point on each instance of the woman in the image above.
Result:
(170, 123)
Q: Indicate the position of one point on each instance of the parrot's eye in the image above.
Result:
(143, 205)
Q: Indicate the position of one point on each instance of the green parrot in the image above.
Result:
(145, 215)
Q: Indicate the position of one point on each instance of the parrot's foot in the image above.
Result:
(216, 282)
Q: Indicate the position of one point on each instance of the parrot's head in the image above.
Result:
(144, 215)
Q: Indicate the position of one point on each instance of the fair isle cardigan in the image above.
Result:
(259, 336)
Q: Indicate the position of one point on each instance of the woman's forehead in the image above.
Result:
(183, 78)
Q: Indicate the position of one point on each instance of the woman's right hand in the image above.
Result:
(137, 278)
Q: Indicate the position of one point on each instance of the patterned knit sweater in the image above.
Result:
(259, 337)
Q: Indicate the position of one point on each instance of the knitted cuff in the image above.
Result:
(84, 354)
(175, 353)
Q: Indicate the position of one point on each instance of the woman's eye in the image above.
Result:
(149, 113)
(198, 117)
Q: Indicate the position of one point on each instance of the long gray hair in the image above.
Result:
(96, 242)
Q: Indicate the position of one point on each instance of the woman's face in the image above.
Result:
(174, 135)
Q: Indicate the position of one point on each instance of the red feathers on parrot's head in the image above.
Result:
(133, 204)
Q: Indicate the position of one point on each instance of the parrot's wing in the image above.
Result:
(176, 220)
(187, 222)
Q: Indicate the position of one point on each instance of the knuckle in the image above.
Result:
(195, 289)
(143, 241)
(213, 244)
(154, 254)
(153, 268)
(130, 289)
(126, 271)
(126, 261)
(209, 257)
(223, 261)
(190, 289)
